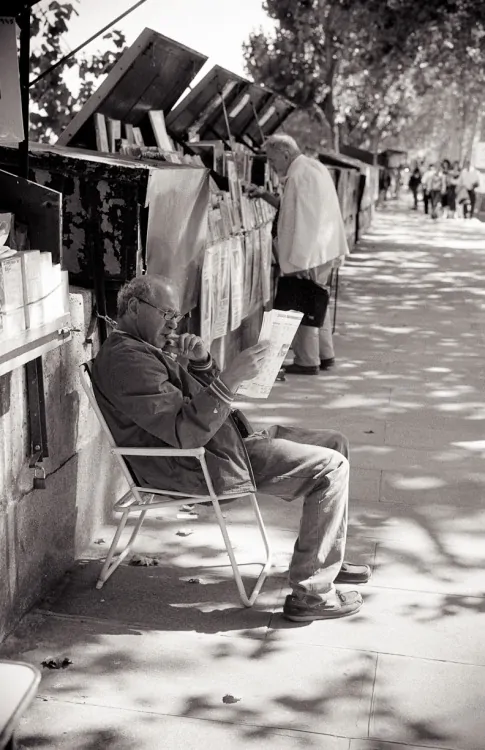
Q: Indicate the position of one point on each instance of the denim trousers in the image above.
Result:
(312, 465)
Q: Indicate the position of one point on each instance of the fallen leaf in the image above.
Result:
(100, 541)
(230, 699)
(184, 532)
(193, 580)
(145, 562)
(57, 662)
(369, 432)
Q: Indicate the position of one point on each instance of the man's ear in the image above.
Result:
(133, 306)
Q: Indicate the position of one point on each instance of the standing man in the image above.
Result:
(310, 240)
(470, 180)
(425, 182)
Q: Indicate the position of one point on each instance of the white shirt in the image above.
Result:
(469, 178)
(426, 178)
(311, 230)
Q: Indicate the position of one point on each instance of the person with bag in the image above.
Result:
(311, 242)
(470, 181)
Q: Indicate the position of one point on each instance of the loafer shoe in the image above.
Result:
(345, 604)
(351, 573)
(326, 364)
(301, 370)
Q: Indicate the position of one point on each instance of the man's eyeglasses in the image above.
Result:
(166, 314)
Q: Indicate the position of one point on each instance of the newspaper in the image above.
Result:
(279, 328)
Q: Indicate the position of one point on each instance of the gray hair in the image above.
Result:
(140, 287)
(284, 143)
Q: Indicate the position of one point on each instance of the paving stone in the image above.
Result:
(433, 703)
(447, 460)
(410, 623)
(396, 521)
(380, 745)
(71, 726)
(421, 563)
(203, 600)
(399, 433)
(458, 487)
(321, 690)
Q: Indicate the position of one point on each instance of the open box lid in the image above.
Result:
(151, 75)
(201, 112)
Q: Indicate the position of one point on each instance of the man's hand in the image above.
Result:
(254, 191)
(245, 366)
(188, 345)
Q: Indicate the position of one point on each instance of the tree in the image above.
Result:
(54, 103)
(359, 65)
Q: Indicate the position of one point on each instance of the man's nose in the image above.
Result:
(172, 324)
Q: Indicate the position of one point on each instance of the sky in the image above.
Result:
(216, 28)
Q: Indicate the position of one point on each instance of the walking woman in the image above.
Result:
(414, 183)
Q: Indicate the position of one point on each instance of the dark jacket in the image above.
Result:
(149, 400)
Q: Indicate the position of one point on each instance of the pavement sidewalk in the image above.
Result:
(154, 653)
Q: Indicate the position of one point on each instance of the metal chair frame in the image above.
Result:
(133, 502)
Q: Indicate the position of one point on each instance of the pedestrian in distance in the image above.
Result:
(470, 181)
(414, 184)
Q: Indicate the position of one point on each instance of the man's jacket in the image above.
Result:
(148, 400)
(311, 231)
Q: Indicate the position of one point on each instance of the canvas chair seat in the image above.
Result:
(142, 500)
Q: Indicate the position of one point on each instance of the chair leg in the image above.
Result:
(109, 567)
(248, 601)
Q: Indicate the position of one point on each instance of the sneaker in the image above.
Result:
(326, 364)
(298, 610)
(301, 370)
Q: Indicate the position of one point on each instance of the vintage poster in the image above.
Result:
(11, 123)
(279, 328)
(237, 281)
(266, 242)
(248, 273)
(255, 298)
(216, 271)
(178, 204)
(206, 294)
(221, 313)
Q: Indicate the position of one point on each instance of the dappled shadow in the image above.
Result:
(172, 639)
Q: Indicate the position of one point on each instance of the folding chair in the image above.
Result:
(133, 501)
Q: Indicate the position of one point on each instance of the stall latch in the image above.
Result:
(67, 330)
(39, 477)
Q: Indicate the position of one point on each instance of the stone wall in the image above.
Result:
(42, 531)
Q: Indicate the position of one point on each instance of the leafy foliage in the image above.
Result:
(54, 103)
(361, 68)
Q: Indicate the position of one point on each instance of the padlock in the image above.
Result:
(39, 477)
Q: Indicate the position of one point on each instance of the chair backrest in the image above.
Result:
(87, 384)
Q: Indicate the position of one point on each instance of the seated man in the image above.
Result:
(150, 400)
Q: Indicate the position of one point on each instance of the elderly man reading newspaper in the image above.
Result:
(150, 398)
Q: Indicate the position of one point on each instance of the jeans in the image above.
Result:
(435, 202)
(472, 196)
(426, 200)
(293, 463)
